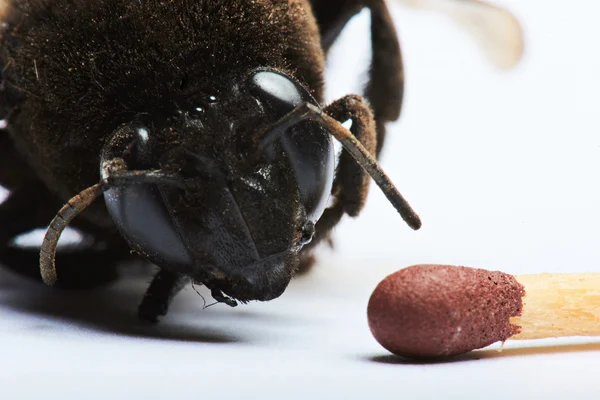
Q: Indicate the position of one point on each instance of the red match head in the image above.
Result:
(428, 311)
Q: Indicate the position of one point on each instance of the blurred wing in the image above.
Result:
(3, 5)
(496, 31)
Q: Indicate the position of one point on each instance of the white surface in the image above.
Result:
(502, 167)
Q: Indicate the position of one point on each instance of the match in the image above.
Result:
(434, 311)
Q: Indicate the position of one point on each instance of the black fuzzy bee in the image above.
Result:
(200, 122)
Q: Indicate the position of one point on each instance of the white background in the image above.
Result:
(503, 169)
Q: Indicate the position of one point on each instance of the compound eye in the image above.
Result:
(280, 93)
(308, 145)
(310, 151)
(140, 214)
(139, 211)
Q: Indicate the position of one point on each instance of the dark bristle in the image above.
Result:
(117, 58)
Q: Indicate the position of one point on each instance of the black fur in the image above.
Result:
(83, 68)
(77, 72)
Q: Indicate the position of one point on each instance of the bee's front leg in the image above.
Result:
(351, 183)
(385, 87)
(162, 290)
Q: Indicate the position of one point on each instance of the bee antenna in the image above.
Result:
(81, 201)
(352, 146)
(275, 131)
(66, 214)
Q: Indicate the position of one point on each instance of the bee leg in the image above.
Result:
(385, 88)
(23, 212)
(18, 214)
(307, 261)
(79, 270)
(29, 206)
(14, 172)
(351, 183)
(332, 16)
(159, 295)
(330, 218)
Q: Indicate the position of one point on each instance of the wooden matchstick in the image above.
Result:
(558, 305)
(427, 311)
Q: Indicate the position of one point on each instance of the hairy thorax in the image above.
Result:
(70, 82)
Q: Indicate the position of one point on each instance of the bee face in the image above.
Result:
(249, 207)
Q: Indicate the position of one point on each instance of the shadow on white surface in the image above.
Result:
(111, 309)
(526, 351)
(396, 360)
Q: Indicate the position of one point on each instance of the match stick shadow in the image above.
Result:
(489, 354)
(393, 359)
(538, 350)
